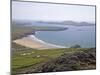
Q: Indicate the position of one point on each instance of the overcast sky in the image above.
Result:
(52, 12)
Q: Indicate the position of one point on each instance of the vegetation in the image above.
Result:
(76, 46)
(81, 60)
(19, 31)
(24, 59)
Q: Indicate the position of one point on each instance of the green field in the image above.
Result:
(24, 59)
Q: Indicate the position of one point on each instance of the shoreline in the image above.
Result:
(33, 42)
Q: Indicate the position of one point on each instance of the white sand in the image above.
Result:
(32, 42)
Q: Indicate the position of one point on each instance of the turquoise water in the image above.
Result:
(82, 35)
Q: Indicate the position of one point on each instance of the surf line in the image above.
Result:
(34, 38)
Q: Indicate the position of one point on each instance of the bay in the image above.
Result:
(81, 35)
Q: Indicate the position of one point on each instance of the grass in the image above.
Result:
(19, 31)
(19, 60)
(26, 58)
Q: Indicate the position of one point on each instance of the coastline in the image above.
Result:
(33, 42)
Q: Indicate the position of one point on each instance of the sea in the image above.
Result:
(85, 36)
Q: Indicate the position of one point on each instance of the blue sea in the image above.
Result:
(81, 35)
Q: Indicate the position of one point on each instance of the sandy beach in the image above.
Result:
(32, 42)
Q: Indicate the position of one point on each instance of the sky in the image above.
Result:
(52, 12)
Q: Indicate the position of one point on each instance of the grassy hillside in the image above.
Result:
(19, 31)
(81, 60)
(23, 59)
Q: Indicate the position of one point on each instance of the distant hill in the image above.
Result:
(30, 22)
(78, 23)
